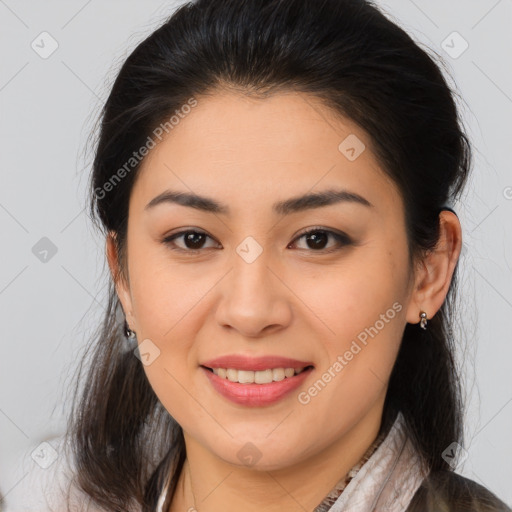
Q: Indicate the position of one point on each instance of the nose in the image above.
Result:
(255, 299)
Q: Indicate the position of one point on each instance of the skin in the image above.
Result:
(294, 300)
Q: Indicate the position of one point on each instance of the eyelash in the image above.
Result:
(342, 239)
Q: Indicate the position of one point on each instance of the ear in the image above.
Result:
(434, 273)
(121, 284)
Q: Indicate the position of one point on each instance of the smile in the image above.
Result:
(255, 388)
(258, 377)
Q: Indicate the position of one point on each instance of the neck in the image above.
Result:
(208, 483)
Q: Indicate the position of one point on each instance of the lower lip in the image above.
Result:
(256, 395)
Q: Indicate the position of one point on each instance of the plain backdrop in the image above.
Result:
(52, 269)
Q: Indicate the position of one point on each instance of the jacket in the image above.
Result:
(391, 480)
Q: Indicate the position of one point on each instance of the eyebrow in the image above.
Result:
(292, 205)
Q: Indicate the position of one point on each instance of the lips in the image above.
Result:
(241, 362)
(253, 394)
(256, 395)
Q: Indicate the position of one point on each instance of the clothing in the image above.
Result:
(390, 480)
(445, 490)
(386, 481)
(335, 492)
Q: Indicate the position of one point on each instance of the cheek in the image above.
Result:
(163, 304)
(357, 365)
(351, 296)
(163, 290)
(362, 310)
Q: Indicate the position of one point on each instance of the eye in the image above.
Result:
(193, 240)
(317, 238)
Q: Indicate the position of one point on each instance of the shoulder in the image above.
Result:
(451, 492)
(44, 481)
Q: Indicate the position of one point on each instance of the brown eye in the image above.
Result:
(317, 239)
(192, 240)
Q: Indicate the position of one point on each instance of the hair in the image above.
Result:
(363, 67)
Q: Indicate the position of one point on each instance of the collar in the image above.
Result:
(387, 481)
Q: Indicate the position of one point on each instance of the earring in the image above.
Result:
(131, 335)
(423, 320)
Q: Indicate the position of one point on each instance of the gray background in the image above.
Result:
(49, 308)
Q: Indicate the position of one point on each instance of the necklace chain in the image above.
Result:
(190, 484)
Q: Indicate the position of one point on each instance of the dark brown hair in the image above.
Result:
(364, 67)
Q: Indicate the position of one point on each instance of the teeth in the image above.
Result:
(263, 377)
(259, 377)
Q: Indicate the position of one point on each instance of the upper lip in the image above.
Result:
(241, 362)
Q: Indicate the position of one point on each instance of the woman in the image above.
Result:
(274, 181)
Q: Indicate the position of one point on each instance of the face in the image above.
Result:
(247, 279)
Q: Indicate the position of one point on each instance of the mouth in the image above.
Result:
(256, 388)
(265, 376)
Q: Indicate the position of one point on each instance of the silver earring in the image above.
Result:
(423, 320)
(131, 335)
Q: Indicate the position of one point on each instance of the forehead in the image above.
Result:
(250, 148)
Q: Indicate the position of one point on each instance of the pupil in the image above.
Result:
(318, 240)
(190, 237)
